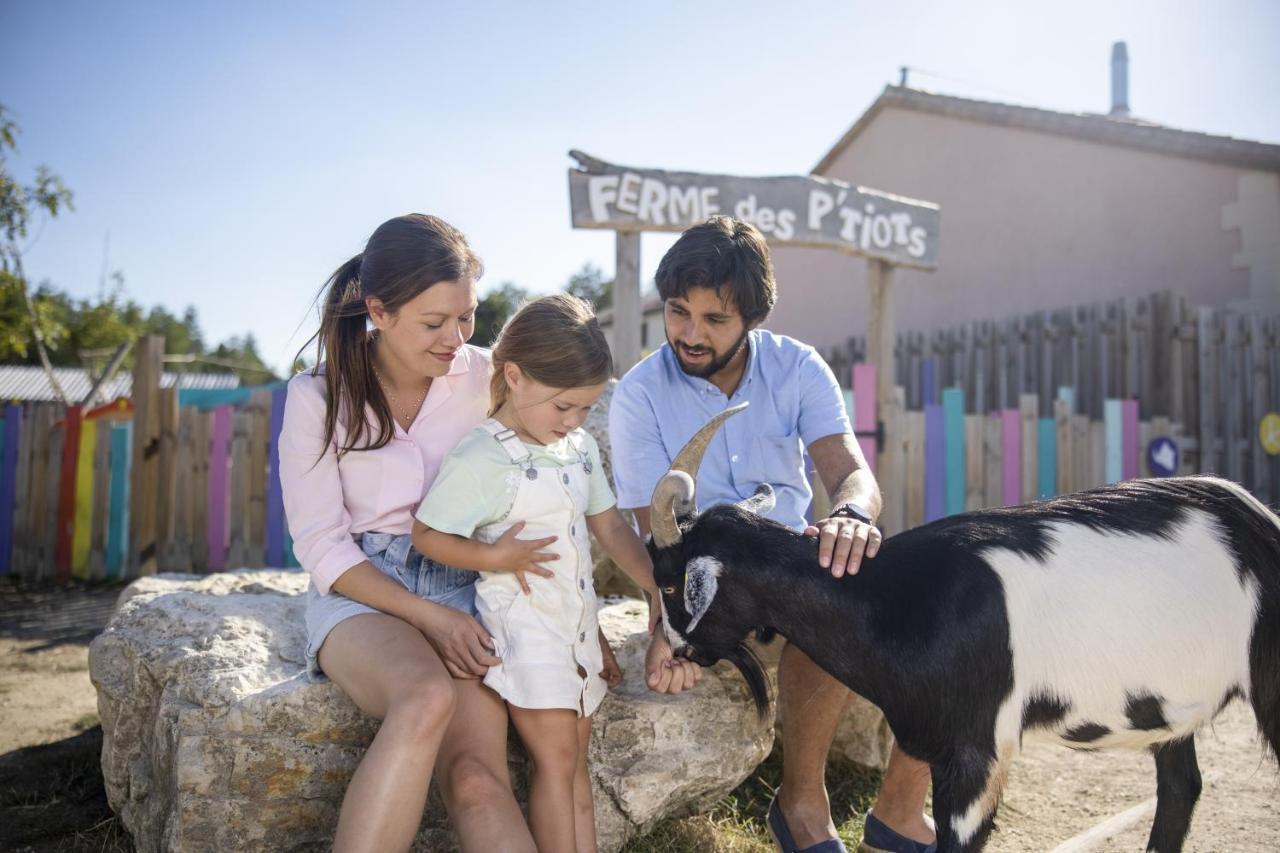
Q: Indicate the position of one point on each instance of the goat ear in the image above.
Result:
(760, 503)
(701, 580)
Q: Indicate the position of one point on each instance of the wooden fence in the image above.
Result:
(999, 412)
(171, 480)
(993, 413)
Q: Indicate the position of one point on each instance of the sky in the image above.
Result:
(231, 155)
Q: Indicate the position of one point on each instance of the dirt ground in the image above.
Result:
(51, 798)
(1055, 794)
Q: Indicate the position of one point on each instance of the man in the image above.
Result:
(717, 287)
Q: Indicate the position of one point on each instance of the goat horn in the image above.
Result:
(679, 482)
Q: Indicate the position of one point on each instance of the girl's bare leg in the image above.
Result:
(390, 671)
(473, 774)
(584, 810)
(551, 738)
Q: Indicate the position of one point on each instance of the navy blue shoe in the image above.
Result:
(786, 844)
(878, 838)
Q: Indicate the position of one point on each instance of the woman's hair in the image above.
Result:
(404, 257)
(555, 341)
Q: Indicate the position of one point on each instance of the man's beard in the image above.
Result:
(712, 367)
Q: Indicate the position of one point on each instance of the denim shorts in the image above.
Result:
(393, 555)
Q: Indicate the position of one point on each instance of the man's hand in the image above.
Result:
(843, 542)
(666, 673)
(520, 556)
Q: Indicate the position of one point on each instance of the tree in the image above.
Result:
(589, 283)
(494, 309)
(18, 204)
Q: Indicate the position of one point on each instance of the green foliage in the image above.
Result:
(18, 202)
(15, 325)
(494, 310)
(589, 283)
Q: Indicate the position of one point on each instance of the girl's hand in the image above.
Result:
(612, 673)
(462, 643)
(666, 673)
(519, 556)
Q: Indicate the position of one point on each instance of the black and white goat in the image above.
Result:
(1128, 615)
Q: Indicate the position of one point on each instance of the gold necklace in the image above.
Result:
(407, 414)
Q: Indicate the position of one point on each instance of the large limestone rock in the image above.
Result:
(214, 740)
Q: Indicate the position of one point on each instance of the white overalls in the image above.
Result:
(548, 640)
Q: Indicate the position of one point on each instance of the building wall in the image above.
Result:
(1029, 221)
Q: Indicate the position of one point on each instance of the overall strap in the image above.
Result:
(509, 440)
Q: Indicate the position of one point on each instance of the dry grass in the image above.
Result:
(736, 824)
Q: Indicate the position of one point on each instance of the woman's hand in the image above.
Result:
(612, 673)
(666, 673)
(521, 556)
(462, 643)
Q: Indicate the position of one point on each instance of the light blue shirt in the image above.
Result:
(794, 399)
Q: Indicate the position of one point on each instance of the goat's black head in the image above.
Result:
(689, 566)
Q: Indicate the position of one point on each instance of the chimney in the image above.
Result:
(1119, 80)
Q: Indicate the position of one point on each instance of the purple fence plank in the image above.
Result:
(219, 516)
(928, 382)
(1129, 416)
(275, 497)
(935, 463)
(864, 410)
(1011, 455)
(8, 482)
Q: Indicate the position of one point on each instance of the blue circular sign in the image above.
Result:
(1162, 456)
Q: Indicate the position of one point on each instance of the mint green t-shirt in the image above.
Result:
(477, 482)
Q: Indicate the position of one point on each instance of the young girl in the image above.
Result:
(530, 470)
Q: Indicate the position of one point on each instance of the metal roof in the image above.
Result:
(24, 383)
(1127, 132)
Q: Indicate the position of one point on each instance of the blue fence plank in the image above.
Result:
(118, 514)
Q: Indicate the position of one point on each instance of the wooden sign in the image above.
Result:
(798, 210)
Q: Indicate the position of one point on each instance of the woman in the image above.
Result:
(364, 435)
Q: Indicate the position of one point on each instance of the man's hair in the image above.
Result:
(727, 255)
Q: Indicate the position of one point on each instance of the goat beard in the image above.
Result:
(752, 671)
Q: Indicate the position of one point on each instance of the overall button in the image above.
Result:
(573, 529)
(582, 638)
(566, 479)
(582, 584)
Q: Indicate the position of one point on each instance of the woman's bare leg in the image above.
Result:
(551, 738)
(473, 774)
(584, 808)
(390, 671)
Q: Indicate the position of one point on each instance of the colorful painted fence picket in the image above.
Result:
(72, 487)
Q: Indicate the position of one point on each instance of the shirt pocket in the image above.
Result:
(398, 478)
(776, 460)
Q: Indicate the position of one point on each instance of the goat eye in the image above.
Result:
(668, 590)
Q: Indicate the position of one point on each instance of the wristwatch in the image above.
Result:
(851, 510)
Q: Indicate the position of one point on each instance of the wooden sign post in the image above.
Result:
(794, 210)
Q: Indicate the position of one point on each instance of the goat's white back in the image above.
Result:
(1109, 615)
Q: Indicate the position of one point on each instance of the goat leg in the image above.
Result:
(966, 791)
(1177, 789)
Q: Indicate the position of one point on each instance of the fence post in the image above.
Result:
(145, 480)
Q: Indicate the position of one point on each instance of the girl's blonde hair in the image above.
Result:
(556, 341)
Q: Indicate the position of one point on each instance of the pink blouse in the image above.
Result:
(330, 502)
